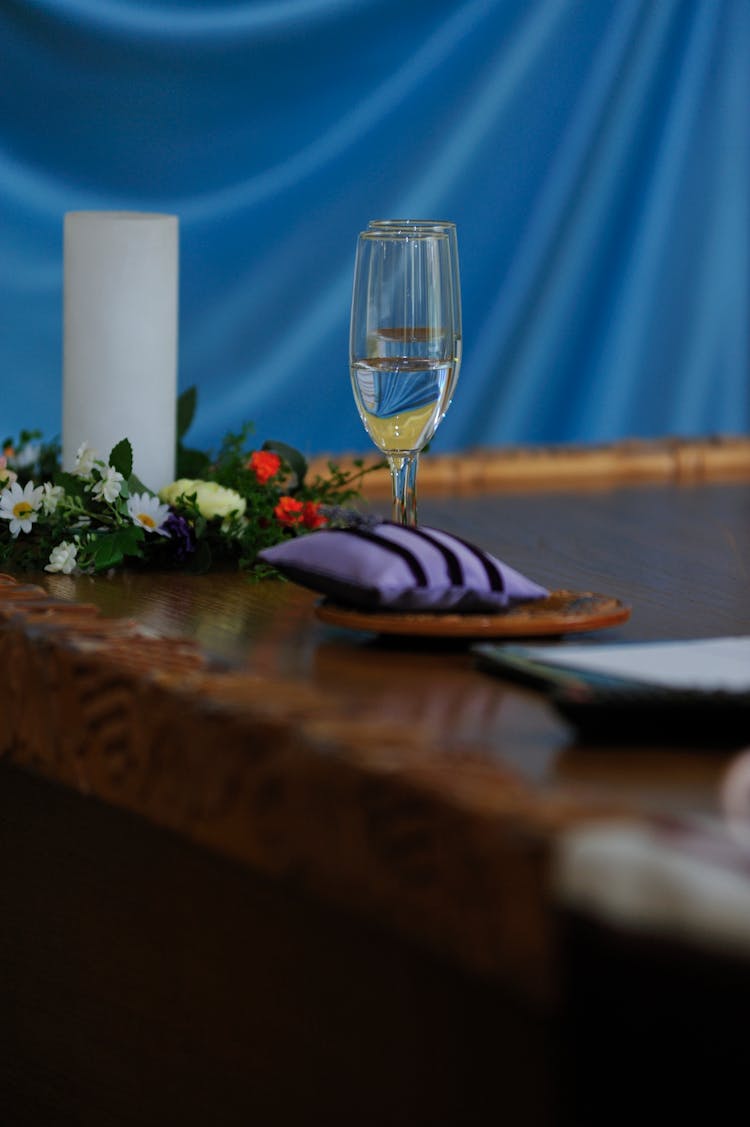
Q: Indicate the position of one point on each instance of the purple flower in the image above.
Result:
(182, 540)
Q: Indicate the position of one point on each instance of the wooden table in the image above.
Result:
(257, 869)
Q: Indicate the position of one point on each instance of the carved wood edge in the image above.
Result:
(678, 460)
(266, 772)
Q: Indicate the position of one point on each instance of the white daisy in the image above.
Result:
(20, 506)
(109, 486)
(63, 558)
(148, 512)
(86, 457)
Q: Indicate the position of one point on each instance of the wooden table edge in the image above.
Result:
(267, 773)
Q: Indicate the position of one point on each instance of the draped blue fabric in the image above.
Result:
(595, 155)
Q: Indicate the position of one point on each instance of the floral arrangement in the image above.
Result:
(221, 510)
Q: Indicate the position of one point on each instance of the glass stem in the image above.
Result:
(404, 481)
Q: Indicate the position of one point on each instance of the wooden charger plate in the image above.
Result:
(562, 612)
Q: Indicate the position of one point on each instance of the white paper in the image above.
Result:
(709, 664)
(120, 338)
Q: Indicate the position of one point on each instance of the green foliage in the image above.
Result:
(192, 463)
(189, 463)
(238, 501)
(121, 458)
(75, 487)
(109, 549)
(186, 407)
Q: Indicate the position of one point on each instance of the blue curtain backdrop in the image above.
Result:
(595, 155)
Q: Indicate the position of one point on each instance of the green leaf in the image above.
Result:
(111, 548)
(186, 405)
(191, 463)
(27, 436)
(135, 485)
(296, 461)
(121, 458)
(73, 485)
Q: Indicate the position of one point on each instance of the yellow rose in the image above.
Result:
(212, 499)
(183, 487)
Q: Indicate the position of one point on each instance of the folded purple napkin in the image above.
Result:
(391, 567)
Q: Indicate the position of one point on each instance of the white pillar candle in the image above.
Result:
(120, 295)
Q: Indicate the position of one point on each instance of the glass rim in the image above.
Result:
(446, 225)
(383, 234)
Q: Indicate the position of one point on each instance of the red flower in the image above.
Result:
(289, 511)
(264, 464)
(312, 516)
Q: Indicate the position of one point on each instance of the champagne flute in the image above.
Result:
(402, 351)
(449, 228)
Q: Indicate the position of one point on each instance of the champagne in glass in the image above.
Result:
(403, 346)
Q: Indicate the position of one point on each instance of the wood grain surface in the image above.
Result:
(389, 779)
(296, 713)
